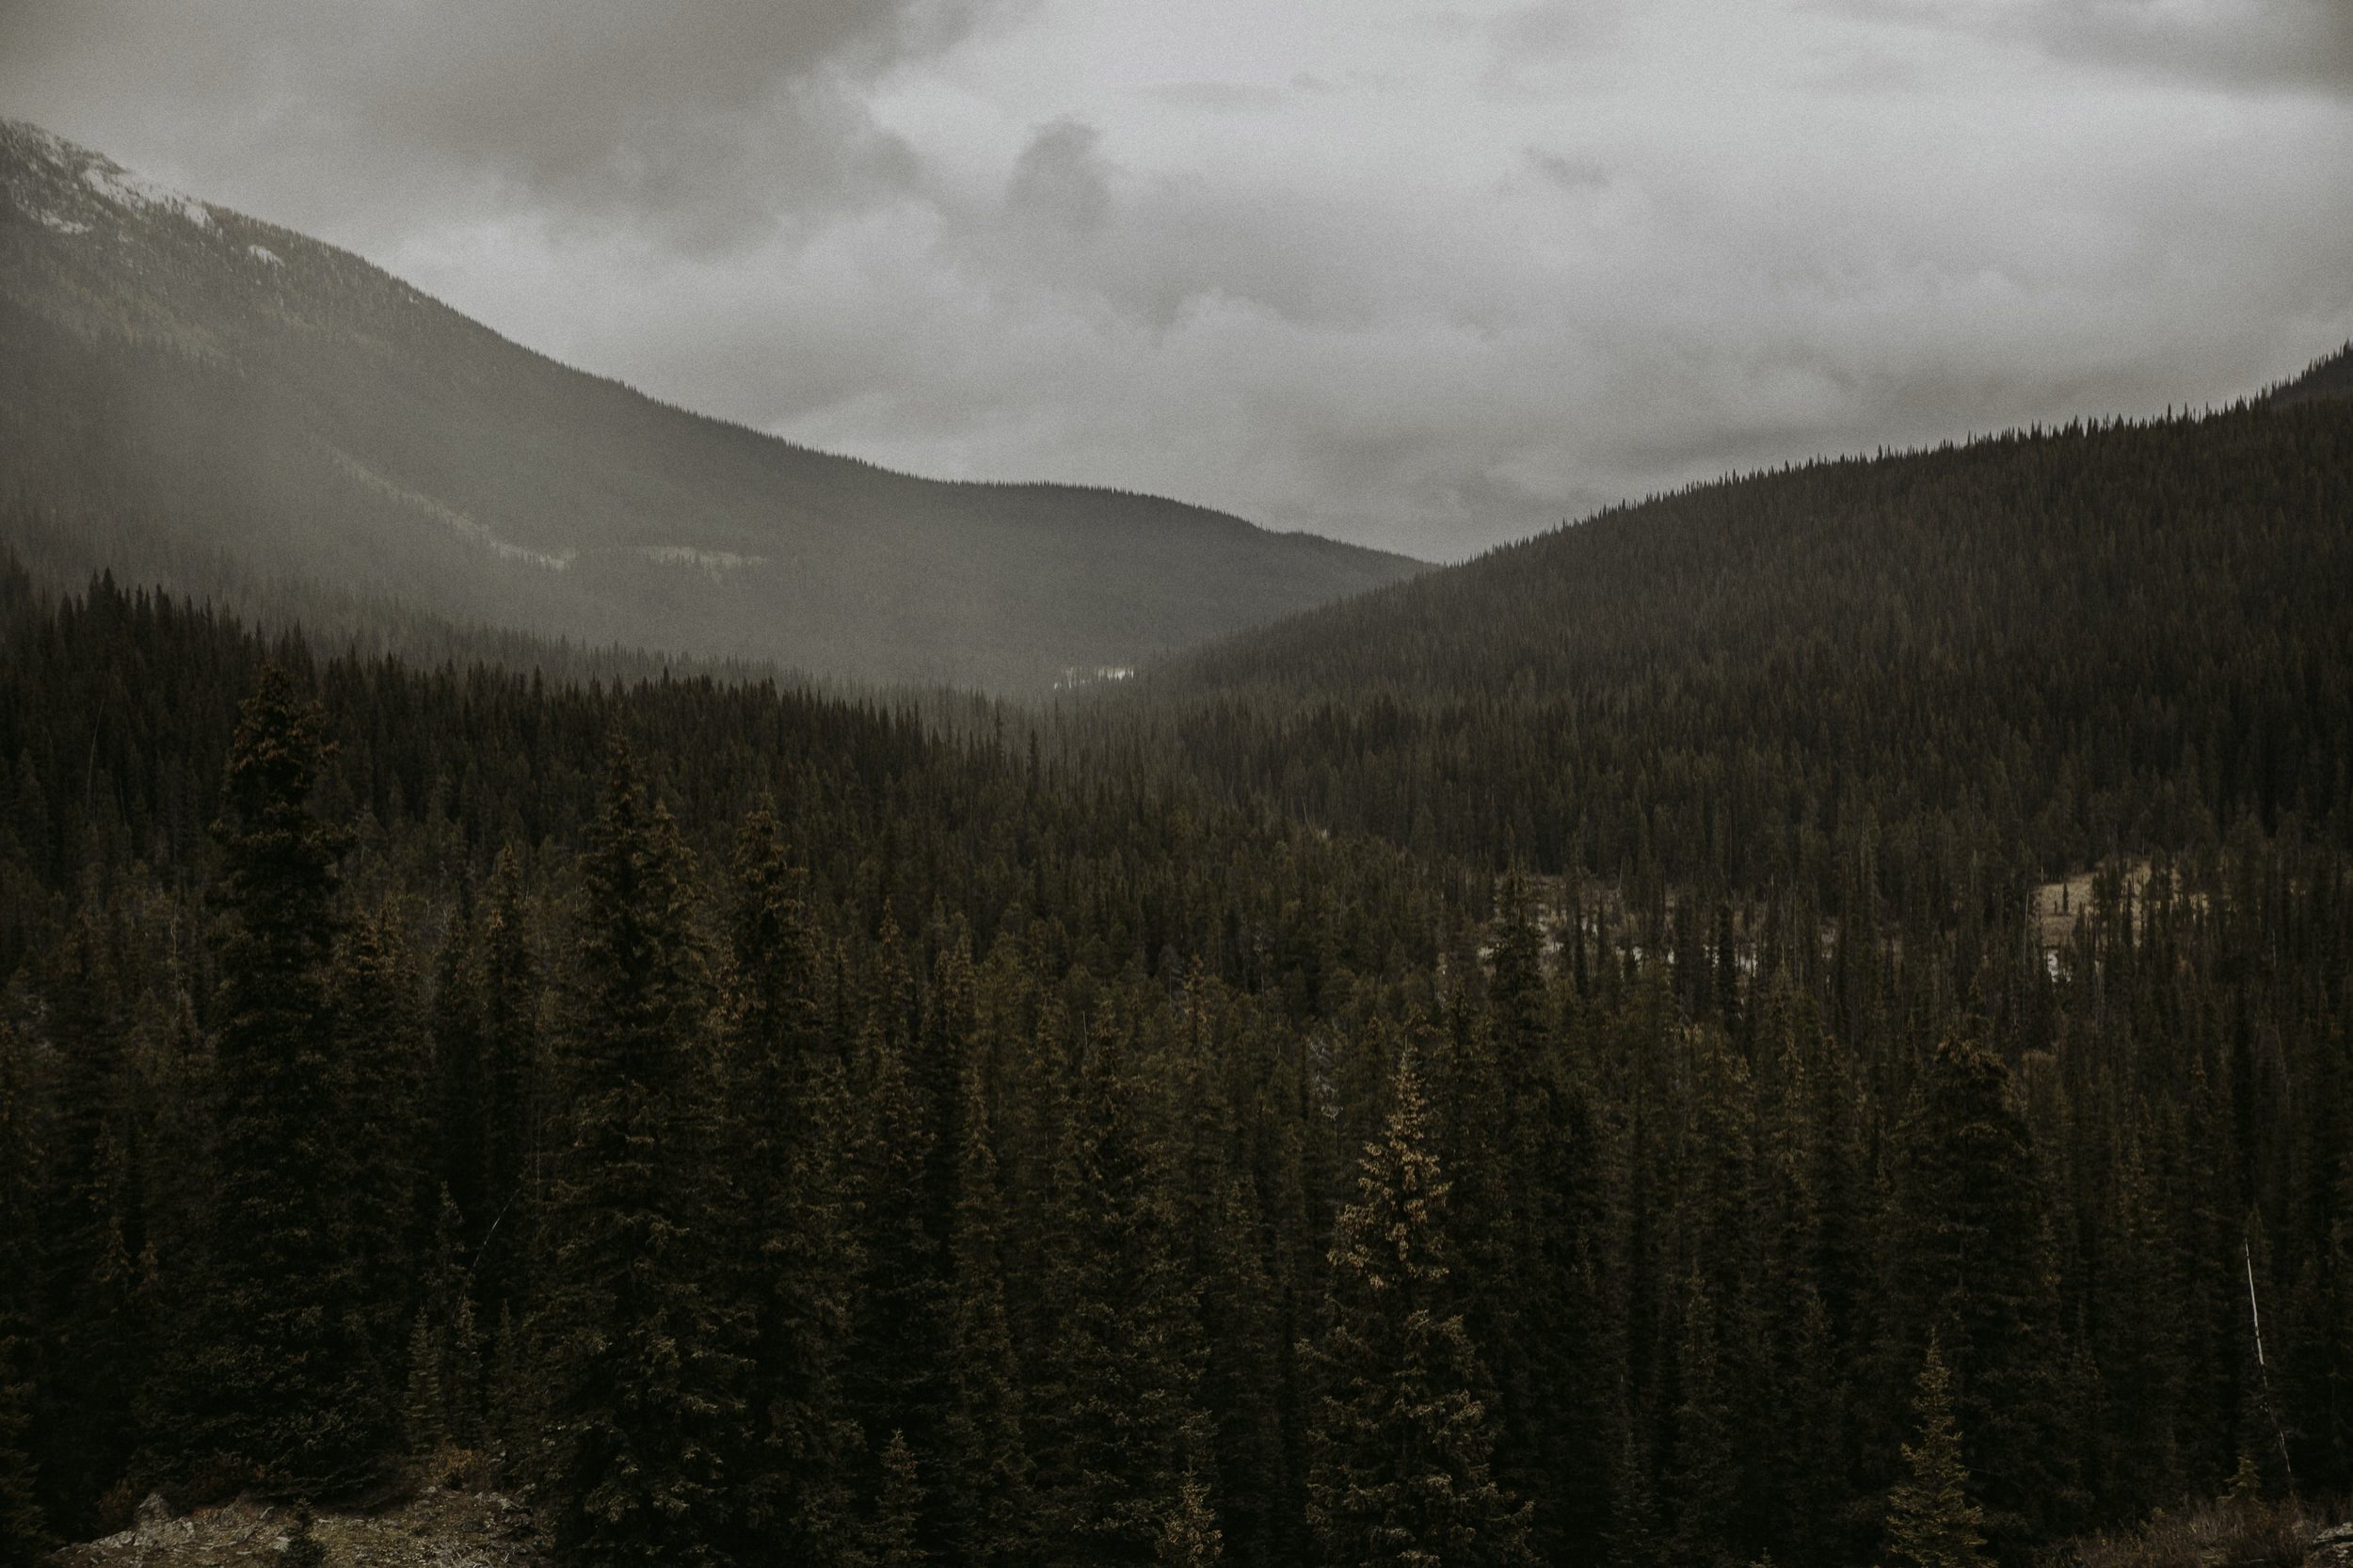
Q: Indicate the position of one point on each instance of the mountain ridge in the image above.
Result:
(225, 379)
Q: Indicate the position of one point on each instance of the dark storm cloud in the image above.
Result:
(1060, 181)
(2247, 45)
(2296, 43)
(707, 117)
(1222, 97)
(1570, 174)
(1553, 28)
(1467, 270)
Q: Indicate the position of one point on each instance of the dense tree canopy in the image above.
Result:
(1823, 1087)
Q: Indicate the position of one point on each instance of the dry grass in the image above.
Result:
(2228, 1533)
(448, 1522)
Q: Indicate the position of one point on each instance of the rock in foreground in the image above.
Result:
(436, 1528)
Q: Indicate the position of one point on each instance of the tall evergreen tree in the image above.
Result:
(792, 1258)
(1975, 1261)
(513, 1088)
(1930, 1521)
(896, 1375)
(1703, 1477)
(898, 1509)
(645, 1386)
(279, 1383)
(82, 1253)
(985, 1453)
(1403, 1445)
(1117, 1427)
(24, 1529)
(382, 1060)
(1190, 1537)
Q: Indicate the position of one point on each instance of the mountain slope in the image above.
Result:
(2328, 376)
(201, 386)
(2095, 640)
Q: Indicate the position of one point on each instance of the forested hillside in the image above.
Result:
(1564, 1062)
(198, 397)
(2328, 376)
(1943, 672)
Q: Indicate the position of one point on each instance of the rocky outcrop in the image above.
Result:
(436, 1528)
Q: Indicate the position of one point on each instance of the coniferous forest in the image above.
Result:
(1804, 1020)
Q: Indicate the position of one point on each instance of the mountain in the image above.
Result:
(189, 394)
(2104, 638)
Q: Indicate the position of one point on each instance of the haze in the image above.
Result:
(1421, 277)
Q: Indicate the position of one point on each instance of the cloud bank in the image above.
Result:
(1425, 278)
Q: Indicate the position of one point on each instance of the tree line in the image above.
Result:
(771, 1127)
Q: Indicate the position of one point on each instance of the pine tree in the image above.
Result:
(897, 1510)
(1401, 1444)
(461, 1081)
(424, 1407)
(507, 1022)
(792, 1253)
(1703, 1480)
(82, 1253)
(382, 1063)
(986, 1460)
(1974, 1258)
(446, 1389)
(23, 1531)
(279, 1384)
(1190, 1538)
(1117, 1427)
(1930, 1521)
(896, 1376)
(644, 1389)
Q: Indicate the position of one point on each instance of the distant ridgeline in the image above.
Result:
(1802, 1019)
(188, 395)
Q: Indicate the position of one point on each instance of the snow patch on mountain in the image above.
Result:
(713, 563)
(476, 534)
(135, 191)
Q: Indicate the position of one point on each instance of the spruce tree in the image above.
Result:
(644, 1389)
(897, 1510)
(24, 1530)
(791, 1254)
(1116, 1426)
(507, 1025)
(279, 1383)
(1402, 1445)
(1930, 1521)
(461, 1090)
(1704, 1479)
(81, 1255)
(382, 1056)
(1974, 1258)
(1190, 1537)
(985, 1454)
(896, 1373)
(446, 1389)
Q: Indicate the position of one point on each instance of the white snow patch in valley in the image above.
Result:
(264, 254)
(61, 224)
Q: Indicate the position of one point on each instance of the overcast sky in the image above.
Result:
(1419, 276)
